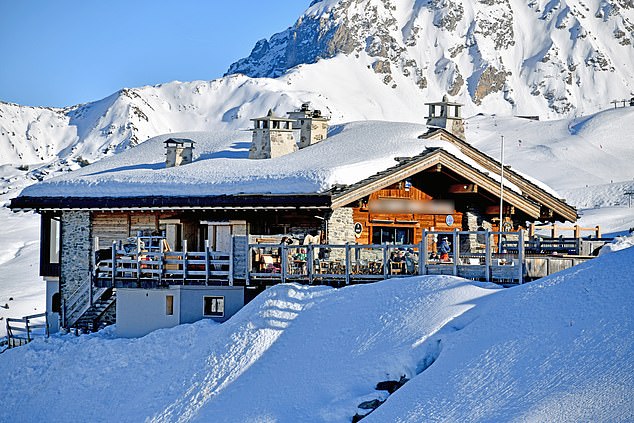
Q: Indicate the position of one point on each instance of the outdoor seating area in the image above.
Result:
(500, 257)
(350, 263)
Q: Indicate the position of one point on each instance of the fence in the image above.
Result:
(150, 269)
(474, 255)
(21, 331)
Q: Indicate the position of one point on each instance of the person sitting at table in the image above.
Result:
(301, 255)
(313, 238)
(410, 262)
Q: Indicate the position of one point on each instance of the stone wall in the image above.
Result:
(341, 226)
(472, 220)
(76, 266)
(340, 230)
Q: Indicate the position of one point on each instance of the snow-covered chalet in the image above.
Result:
(192, 225)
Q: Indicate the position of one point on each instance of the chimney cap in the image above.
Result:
(175, 142)
(445, 101)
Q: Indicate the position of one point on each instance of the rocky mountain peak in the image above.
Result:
(548, 57)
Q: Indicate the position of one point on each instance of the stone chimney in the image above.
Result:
(313, 127)
(447, 115)
(178, 151)
(272, 137)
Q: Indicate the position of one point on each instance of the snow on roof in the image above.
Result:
(351, 153)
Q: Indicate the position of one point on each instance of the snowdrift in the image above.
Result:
(558, 349)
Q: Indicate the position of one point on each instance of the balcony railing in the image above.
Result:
(474, 255)
(145, 269)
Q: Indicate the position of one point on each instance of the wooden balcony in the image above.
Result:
(147, 269)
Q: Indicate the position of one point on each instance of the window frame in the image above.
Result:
(214, 297)
(393, 231)
(169, 305)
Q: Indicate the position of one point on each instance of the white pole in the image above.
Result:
(501, 189)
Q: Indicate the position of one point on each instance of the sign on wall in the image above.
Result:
(358, 229)
(449, 220)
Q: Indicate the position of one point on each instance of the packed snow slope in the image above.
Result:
(559, 350)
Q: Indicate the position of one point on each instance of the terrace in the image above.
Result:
(500, 257)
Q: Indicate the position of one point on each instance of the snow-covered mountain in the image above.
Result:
(543, 57)
(380, 59)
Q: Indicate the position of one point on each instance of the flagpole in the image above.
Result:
(501, 188)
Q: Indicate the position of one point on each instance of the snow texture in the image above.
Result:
(352, 153)
(559, 349)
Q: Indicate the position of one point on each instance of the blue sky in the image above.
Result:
(60, 53)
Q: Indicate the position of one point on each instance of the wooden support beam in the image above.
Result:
(495, 210)
(463, 189)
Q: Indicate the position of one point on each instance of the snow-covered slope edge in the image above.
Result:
(559, 349)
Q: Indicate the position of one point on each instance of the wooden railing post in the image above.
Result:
(184, 261)
(385, 263)
(422, 254)
(347, 263)
(310, 263)
(161, 267)
(28, 330)
(114, 263)
(207, 269)
(456, 251)
(138, 260)
(233, 237)
(487, 254)
(284, 261)
(520, 256)
(249, 263)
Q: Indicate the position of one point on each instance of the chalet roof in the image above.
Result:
(355, 156)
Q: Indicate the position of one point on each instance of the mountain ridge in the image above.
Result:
(372, 70)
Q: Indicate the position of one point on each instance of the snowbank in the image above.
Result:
(351, 153)
(620, 243)
(295, 353)
(558, 349)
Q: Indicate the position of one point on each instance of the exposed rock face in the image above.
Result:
(475, 50)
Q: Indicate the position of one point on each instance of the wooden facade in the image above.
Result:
(414, 222)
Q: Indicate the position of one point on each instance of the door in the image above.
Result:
(219, 236)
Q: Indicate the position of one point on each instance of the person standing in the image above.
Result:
(444, 249)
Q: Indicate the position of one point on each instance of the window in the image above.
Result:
(169, 305)
(53, 242)
(50, 245)
(214, 306)
(388, 235)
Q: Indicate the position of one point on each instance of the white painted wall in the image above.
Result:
(140, 311)
(52, 287)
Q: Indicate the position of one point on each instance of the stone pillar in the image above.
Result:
(76, 263)
(341, 226)
(473, 221)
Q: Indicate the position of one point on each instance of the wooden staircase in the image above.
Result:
(91, 320)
